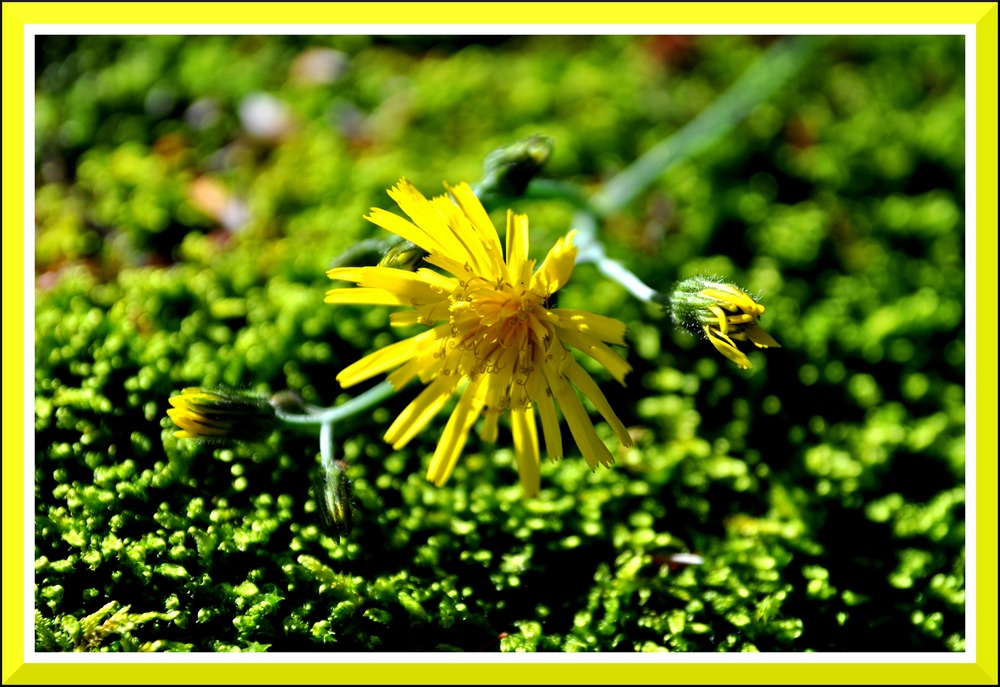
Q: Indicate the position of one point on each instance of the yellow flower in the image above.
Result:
(722, 312)
(493, 339)
(222, 415)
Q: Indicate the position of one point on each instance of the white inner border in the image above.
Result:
(334, 657)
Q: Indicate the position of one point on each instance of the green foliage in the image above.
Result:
(180, 243)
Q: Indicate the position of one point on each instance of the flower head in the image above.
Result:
(492, 338)
(722, 313)
(222, 415)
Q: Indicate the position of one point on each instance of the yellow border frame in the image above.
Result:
(16, 15)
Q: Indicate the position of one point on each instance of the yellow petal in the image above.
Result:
(550, 425)
(615, 364)
(593, 449)
(186, 397)
(474, 210)
(557, 267)
(489, 431)
(360, 296)
(585, 383)
(732, 298)
(761, 338)
(517, 245)
(541, 396)
(455, 434)
(466, 235)
(726, 347)
(389, 357)
(406, 318)
(429, 218)
(605, 329)
(407, 230)
(720, 315)
(423, 285)
(345, 273)
(195, 425)
(526, 449)
(462, 270)
(420, 411)
(400, 377)
(493, 389)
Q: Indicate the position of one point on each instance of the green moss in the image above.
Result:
(823, 489)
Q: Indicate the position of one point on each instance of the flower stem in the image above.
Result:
(775, 67)
(327, 416)
(326, 444)
(781, 61)
(590, 249)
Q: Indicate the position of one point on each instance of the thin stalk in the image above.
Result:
(323, 416)
(326, 444)
(590, 249)
(758, 83)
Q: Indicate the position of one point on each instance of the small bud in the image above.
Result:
(333, 492)
(721, 312)
(508, 170)
(222, 415)
(403, 255)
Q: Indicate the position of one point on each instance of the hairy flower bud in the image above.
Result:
(222, 415)
(333, 492)
(721, 312)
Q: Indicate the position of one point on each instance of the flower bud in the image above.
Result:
(333, 492)
(508, 170)
(403, 255)
(222, 415)
(720, 312)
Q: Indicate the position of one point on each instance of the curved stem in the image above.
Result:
(324, 416)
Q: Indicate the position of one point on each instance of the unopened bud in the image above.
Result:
(222, 415)
(333, 492)
(507, 171)
(720, 312)
(403, 255)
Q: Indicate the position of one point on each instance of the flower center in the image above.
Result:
(493, 328)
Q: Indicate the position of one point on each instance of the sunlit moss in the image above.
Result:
(822, 496)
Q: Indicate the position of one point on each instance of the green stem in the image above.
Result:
(322, 416)
(758, 83)
(326, 444)
(590, 249)
(781, 61)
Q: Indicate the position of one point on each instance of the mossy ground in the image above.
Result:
(180, 244)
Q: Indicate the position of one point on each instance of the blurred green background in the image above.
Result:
(191, 192)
